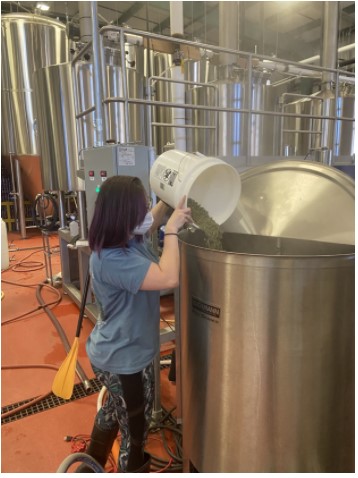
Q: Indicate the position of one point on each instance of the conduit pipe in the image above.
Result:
(177, 74)
(228, 30)
(97, 79)
(329, 42)
(328, 60)
(84, 11)
(315, 58)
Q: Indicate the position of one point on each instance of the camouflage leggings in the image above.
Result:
(129, 404)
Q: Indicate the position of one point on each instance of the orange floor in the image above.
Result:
(33, 433)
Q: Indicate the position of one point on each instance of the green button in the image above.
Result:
(98, 188)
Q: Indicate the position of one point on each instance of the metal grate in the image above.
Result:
(52, 401)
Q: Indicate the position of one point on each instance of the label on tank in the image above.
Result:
(205, 310)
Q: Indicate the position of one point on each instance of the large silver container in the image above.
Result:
(56, 123)
(267, 355)
(344, 145)
(28, 42)
(118, 130)
(299, 135)
(237, 134)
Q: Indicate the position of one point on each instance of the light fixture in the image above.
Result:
(42, 6)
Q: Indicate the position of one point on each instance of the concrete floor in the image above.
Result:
(33, 437)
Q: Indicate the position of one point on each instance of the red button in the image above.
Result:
(91, 174)
(103, 174)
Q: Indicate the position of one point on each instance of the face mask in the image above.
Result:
(145, 226)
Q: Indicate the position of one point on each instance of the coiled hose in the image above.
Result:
(80, 457)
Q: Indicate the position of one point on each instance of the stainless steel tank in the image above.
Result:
(231, 139)
(267, 355)
(267, 328)
(160, 64)
(299, 135)
(344, 145)
(28, 42)
(119, 129)
(56, 126)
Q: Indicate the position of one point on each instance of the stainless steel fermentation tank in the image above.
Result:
(222, 134)
(300, 135)
(267, 346)
(28, 42)
(119, 130)
(55, 112)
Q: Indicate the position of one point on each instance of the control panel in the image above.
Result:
(110, 160)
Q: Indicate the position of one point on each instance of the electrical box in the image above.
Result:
(110, 160)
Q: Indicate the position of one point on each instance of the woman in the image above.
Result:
(127, 278)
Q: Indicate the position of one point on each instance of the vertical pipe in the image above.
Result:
(62, 209)
(328, 60)
(82, 214)
(228, 30)
(84, 12)
(178, 89)
(97, 78)
(20, 193)
(157, 407)
(125, 88)
(249, 107)
(329, 42)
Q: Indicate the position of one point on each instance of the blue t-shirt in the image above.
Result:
(125, 338)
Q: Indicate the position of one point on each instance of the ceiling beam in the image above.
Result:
(128, 14)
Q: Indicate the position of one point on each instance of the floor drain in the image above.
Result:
(52, 401)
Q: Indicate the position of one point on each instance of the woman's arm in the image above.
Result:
(158, 211)
(165, 275)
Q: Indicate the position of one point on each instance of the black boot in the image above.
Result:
(99, 448)
(145, 468)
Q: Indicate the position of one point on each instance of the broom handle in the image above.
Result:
(83, 302)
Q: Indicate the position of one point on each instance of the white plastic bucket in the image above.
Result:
(4, 247)
(211, 182)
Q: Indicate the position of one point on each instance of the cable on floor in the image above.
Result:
(40, 307)
(34, 400)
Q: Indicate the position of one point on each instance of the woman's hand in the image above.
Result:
(180, 216)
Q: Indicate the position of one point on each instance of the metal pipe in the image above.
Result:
(212, 47)
(329, 41)
(174, 125)
(97, 78)
(342, 49)
(82, 214)
(329, 60)
(228, 30)
(125, 88)
(185, 82)
(298, 95)
(62, 209)
(249, 107)
(13, 193)
(157, 407)
(216, 108)
(177, 73)
(20, 193)
(84, 13)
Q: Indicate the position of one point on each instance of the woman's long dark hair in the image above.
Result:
(121, 205)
